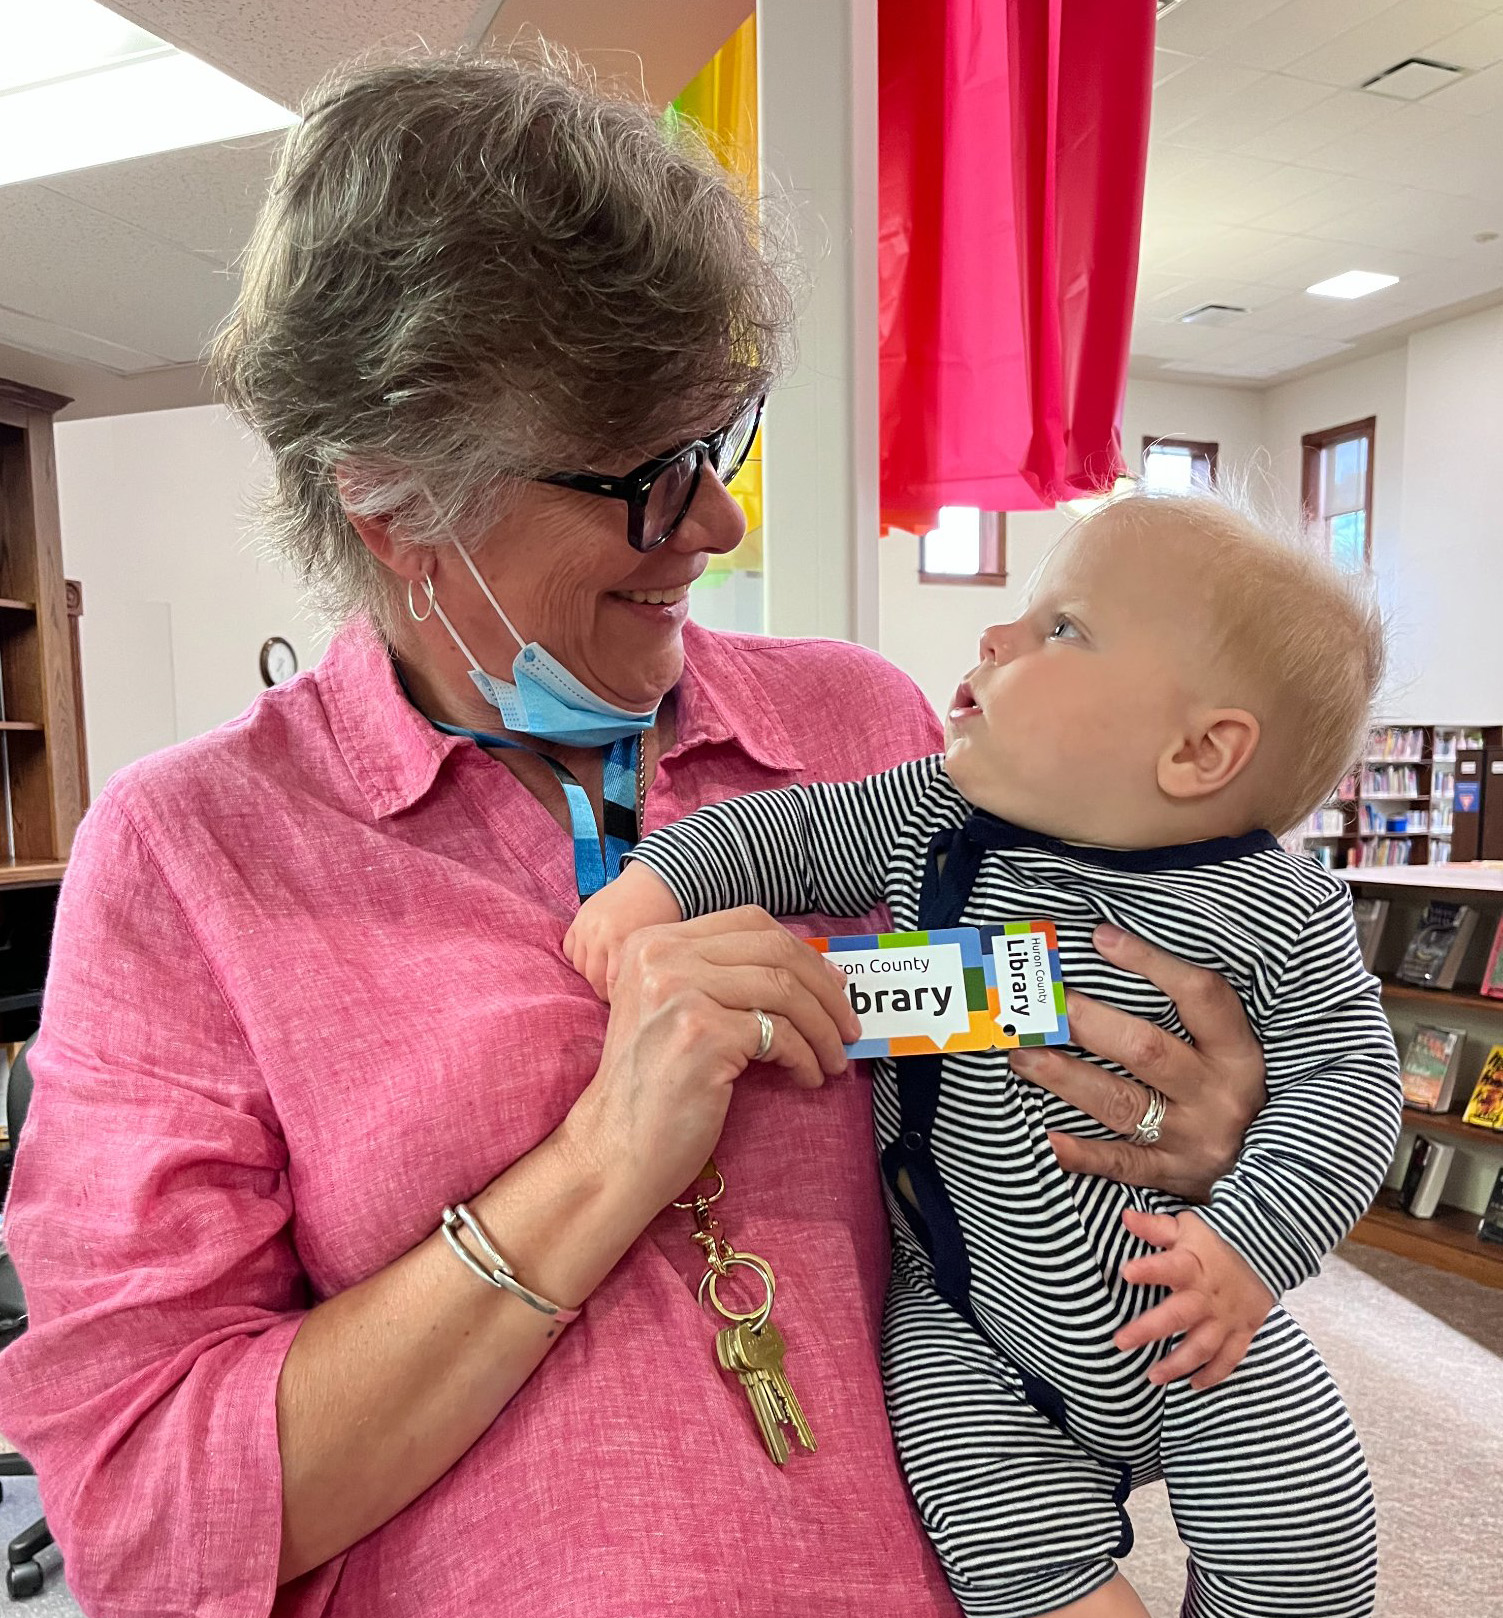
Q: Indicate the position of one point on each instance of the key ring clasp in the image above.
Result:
(709, 1284)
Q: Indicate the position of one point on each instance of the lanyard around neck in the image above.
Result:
(598, 850)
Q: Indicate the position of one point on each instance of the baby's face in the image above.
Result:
(1062, 724)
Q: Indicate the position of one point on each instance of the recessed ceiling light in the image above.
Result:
(1354, 284)
(80, 86)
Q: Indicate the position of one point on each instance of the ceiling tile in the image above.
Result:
(1243, 114)
(1196, 90)
(75, 268)
(1340, 114)
(1167, 63)
(1311, 212)
(1383, 40)
(204, 199)
(19, 330)
(1296, 29)
(1476, 93)
(1479, 45)
(1204, 26)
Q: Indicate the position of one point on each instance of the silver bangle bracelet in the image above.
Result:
(500, 1274)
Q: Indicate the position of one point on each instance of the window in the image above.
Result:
(969, 546)
(1178, 465)
(1338, 490)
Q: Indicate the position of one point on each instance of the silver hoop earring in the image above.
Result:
(416, 616)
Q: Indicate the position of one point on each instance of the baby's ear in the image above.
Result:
(1211, 755)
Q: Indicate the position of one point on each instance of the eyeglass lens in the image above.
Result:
(668, 498)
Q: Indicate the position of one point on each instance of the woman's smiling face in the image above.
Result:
(559, 564)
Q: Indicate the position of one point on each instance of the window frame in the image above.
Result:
(993, 565)
(1312, 445)
(1200, 450)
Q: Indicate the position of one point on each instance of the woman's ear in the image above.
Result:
(408, 562)
(1210, 756)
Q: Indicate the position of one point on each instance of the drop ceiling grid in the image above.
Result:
(1270, 170)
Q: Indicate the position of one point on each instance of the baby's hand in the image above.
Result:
(1215, 1298)
(638, 898)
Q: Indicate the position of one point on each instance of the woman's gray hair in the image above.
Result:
(472, 270)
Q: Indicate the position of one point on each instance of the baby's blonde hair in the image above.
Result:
(1295, 640)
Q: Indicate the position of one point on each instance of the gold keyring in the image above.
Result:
(714, 1196)
(759, 1316)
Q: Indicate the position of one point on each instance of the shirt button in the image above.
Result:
(913, 1140)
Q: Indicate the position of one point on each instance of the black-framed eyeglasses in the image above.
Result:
(659, 492)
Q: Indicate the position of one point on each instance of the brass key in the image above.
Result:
(765, 1348)
(766, 1406)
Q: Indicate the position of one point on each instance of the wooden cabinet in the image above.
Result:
(42, 789)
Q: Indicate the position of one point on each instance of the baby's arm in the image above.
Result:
(799, 849)
(1315, 1156)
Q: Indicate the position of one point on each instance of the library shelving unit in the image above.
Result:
(1449, 1241)
(1394, 809)
(42, 783)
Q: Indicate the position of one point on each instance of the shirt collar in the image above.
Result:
(394, 753)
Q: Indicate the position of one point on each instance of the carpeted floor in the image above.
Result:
(1419, 1356)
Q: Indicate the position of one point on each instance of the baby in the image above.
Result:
(1180, 688)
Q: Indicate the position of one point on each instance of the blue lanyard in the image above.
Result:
(598, 851)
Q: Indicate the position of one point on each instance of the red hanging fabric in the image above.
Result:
(1013, 141)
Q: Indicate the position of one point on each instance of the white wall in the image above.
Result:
(931, 630)
(177, 600)
(1371, 387)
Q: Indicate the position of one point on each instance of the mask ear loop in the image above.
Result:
(475, 573)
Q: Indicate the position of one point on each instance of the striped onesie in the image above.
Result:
(1020, 1426)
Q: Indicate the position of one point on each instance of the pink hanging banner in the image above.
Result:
(1013, 142)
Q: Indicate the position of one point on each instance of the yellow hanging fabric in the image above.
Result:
(722, 100)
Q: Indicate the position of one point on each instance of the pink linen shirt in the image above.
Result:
(306, 988)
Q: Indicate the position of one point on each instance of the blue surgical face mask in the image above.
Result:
(543, 698)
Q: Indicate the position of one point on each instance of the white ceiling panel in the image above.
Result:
(1385, 39)
(1254, 183)
(1298, 27)
(20, 330)
(1339, 114)
(283, 47)
(203, 199)
(63, 261)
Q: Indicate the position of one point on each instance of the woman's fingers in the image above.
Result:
(1207, 1004)
(1150, 1053)
(1107, 1097)
(789, 1050)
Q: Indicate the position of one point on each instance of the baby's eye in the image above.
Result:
(1064, 629)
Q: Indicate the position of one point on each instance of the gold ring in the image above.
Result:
(758, 1317)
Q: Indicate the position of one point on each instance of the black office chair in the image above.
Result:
(24, 1574)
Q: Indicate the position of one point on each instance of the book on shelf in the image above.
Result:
(1492, 978)
(1369, 915)
(1485, 1109)
(1466, 805)
(1430, 1066)
(1492, 805)
(1490, 1229)
(1433, 956)
(1425, 1177)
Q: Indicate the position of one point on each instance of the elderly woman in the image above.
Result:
(506, 342)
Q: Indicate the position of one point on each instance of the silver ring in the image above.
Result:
(1150, 1126)
(764, 1022)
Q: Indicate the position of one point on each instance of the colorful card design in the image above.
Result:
(953, 989)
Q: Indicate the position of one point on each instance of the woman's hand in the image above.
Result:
(681, 1032)
(1212, 1083)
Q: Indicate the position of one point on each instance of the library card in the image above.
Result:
(953, 988)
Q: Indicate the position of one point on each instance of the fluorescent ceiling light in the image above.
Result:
(1354, 284)
(80, 86)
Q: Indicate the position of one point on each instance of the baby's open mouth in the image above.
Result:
(964, 704)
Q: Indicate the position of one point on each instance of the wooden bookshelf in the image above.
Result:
(1454, 998)
(1448, 1241)
(1451, 1126)
(43, 785)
